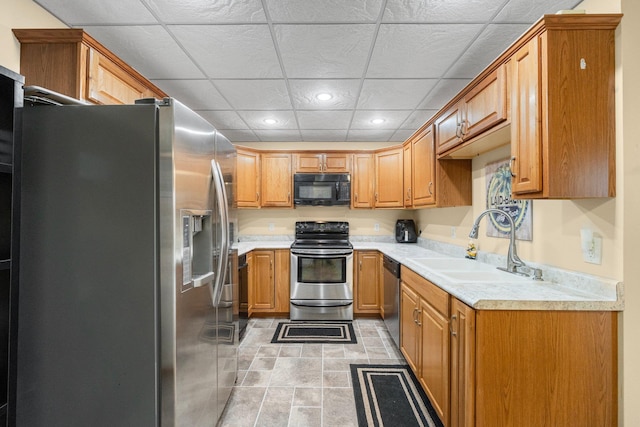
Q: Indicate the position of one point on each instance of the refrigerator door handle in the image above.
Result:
(221, 196)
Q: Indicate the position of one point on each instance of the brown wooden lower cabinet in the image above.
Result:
(510, 367)
(367, 282)
(269, 281)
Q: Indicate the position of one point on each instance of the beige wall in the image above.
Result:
(20, 14)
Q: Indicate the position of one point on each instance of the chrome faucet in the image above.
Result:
(513, 261)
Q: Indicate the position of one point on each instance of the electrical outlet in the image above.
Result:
(271, 226)
(591, 246)
(376, 227)
(453, 232)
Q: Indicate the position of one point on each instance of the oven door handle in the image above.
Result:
(325, 303)
(321, 253)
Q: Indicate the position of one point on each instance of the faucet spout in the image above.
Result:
(513, 261)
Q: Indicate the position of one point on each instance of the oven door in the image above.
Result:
(321, 275)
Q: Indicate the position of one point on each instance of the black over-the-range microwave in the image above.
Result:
(321, 189)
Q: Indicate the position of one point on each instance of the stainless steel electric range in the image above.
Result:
(322, 271)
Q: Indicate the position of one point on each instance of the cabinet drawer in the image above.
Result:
(435, 296)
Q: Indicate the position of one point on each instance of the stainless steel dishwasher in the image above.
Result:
(392, 297)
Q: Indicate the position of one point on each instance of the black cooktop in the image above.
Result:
(322, 234)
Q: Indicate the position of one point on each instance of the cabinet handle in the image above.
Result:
(360, 265)
(451, 329)
(415, 320)
(418, 322)
(459, 130)
(289, 196)
(257, 196)
(376, 197)
(464, 128)
(430, 185)
(409, 194)
(356, 197)
(511, 160)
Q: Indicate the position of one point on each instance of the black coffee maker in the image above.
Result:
(406, 231)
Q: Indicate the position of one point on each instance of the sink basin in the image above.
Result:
(482, 276)
(454, 264)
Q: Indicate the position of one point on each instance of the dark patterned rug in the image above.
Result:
(314, 332)
(390, 395)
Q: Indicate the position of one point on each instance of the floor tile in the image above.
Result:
(302, 385)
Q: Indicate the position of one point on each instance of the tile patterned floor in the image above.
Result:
(306, 385)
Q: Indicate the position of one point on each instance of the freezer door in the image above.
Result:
(188, 316)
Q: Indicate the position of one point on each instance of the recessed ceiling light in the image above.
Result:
(324, 96)
(377, 121)
(270, 121)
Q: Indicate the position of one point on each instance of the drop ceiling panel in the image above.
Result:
(323, 135)
(324, 10)
(324, 51)
(324, 119)
(418, 118)
(439, 11)
(278, 135)
(526, 12)
(230, 51)
(207, 12)
(255, 94)
(100, 12)
(419, 50)
(401, 94)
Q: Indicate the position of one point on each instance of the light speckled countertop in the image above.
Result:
(481, 285)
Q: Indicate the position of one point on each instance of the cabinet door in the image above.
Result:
(367, 296)
(407, 172)
(409, 336)
(276, 179)
(526, 150)
(282, 280)
(448, 129)
(389, 175)
(433, 371)
(485, 105)
(263, 287)
(423, 168)
(110, 84)
(248, 173)
(362, 181)
(337, 162)
(308, 162)
(463, 372)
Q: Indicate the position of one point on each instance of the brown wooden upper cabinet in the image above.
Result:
(482, 107)
(362, 181)
(276, 180)
(248, 173)
(389, 186)
(71, 62)
(563, 108)
(322, 162)
(431, 182)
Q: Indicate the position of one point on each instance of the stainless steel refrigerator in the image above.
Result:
(128, 304)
